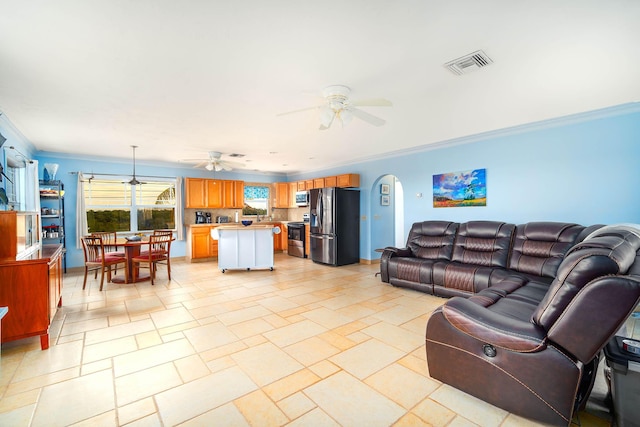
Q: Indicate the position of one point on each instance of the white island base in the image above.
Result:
(241, 247)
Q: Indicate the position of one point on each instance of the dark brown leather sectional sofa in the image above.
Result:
(448, 258)
(533, 305)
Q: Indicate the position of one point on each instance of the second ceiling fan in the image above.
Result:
(214, 162)
(338, 106)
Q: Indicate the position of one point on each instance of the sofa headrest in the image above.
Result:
(609, 251)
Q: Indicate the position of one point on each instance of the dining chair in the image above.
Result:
(159, 253)
(95, 258)
(109, 239)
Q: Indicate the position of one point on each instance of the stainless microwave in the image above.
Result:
(302, 198)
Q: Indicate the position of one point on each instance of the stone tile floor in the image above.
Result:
(303, 345)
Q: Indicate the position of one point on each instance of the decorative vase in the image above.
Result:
(50, 169)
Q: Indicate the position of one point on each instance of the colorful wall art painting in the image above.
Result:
(457, 189)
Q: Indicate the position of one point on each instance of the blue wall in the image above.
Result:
(582, 168)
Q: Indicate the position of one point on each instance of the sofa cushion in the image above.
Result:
(483, 243)
(432, 239)
(539, 247)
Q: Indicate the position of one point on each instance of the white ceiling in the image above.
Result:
(181, 78)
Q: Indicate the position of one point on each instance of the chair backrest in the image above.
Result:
(93, 249)
(108, 240)
(159, 245)
(432, 239)
(485, 243)
(539, 247)
(596, 289)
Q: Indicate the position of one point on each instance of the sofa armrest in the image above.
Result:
(388, 253)
(397, 251)
(493, 328)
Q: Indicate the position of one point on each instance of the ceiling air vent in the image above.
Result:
(469, 63)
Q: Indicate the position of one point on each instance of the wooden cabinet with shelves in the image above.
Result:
(31, 288)
(52, 215)
(319, 183)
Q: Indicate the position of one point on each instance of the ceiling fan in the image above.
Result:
(337, 105)
(214, 162)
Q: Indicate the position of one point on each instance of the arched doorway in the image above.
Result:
(387, 214)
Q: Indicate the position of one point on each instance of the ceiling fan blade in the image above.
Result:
(369, 118)
(299, 111)
(323, 127)
(374, 102)
(202, 163)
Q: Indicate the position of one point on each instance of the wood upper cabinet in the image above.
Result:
(301, 185)
(308, 184)
(330, 181)
(348, 180)
(215, 193)
(318, 183)
(233, 194)
(238, 188)
(282, 195)
(293, 187)
(196, 193)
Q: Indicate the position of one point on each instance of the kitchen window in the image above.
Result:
(256, 200)
(113, 205)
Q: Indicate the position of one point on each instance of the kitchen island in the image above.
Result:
(245, 247)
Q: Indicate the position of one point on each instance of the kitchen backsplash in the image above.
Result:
(277, 214)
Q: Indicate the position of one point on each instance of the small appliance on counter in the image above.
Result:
(208, 215)
(201, 217)
(223, 219)
(305, 217)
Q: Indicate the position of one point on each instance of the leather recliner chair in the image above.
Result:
(533, 349)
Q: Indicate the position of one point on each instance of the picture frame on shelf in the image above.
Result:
(385, 200)
(385, 189)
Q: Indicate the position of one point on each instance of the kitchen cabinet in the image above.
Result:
(280, 241)
(214, 193)
(293, 187)
(307, 239)
(308, 184)
(283, 199)
(331, 181)
(302, 185)
(31, 288)
(233, 194)
(200, 242)
(244, 247)
(348, 180)
(319, 183)
(196, 193)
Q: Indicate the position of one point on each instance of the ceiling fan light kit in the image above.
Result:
(338, 105)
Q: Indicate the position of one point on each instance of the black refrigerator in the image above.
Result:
(334, 220)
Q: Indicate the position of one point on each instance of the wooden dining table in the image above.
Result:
(132, 248)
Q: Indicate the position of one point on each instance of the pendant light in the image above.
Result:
(134, 181)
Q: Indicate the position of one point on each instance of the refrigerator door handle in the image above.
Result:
(319, 209)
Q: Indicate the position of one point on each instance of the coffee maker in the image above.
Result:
(201, 217)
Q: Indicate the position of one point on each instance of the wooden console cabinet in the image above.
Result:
(31, 289)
